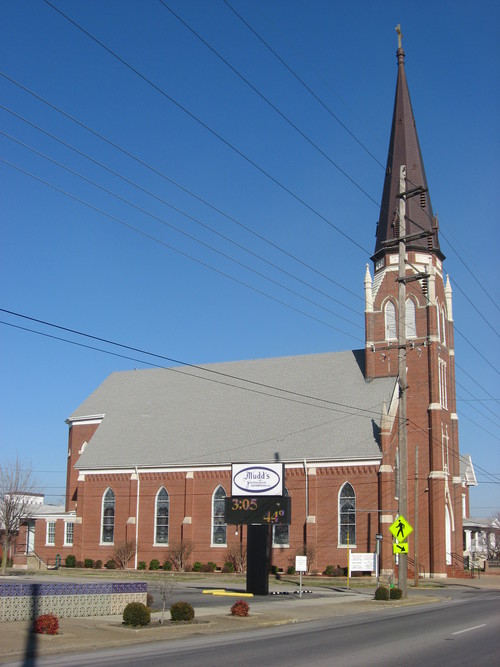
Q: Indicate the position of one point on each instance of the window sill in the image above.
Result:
(219, 546)
(160, 544)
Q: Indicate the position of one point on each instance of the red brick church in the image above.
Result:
(150, 451)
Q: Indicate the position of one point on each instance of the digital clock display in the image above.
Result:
(265, 510)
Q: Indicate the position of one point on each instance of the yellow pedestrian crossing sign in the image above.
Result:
(400, 548)
(400, 529)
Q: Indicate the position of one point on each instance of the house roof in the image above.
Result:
(404, 149)
(234, 412)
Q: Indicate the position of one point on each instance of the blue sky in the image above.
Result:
(252, 176)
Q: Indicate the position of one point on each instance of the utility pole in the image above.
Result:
(415, 534)
(402, 435)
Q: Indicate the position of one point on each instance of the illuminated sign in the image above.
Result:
(250, 479)
(268, 510)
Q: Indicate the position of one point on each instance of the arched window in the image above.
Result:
(411, 320)
(390, 321)
(219, 528)
(162, 507)
(108, 517)
(281, 533)
(347, 515)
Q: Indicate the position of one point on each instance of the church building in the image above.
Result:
(150, 451)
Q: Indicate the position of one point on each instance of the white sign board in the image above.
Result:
(300, 563)
(362, 562)
(253, 479)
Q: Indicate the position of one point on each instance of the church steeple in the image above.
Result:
(404, 149)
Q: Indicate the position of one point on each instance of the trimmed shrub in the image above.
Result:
(167, 565)
(291, 569)
(209, 567)
(382, 593)
(274, 569)
(47, 624)
(97, 564)
(111, 565)
(88, 562)
(154, 564)
(197, 566)
(141, 565)
(228, 567)
(329, 571)
(395, 593)
(70, 561)
(79, 563)
(181, 611)
(136, 614)
(240, 608)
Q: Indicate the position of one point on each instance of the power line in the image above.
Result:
(181, 231)
(166, 203)
(273, 106)
(204, 369)
(304, 84)
(173, 248)
(209, 129)
(178, 185)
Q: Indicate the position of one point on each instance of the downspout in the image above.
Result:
(137, 517)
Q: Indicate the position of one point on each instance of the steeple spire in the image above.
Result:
(404, 149)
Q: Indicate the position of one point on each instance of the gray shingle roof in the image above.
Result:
(188, 416)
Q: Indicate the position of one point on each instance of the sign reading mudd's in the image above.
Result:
(251, 479)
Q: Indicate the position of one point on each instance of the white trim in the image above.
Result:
(49, 522)
(326, 463)
(83, 421)
(65, 542)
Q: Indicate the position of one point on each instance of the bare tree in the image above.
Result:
(178, 554)
(123, 552)
(17, 491)
(166, 586)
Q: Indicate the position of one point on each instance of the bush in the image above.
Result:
(228, 567)
(167, 565)
(79, 563)
(136, 613)
(97, 564)
(382, 593)
(88, 562)
(274, 569)
(111, 565)
(141, 565)
(240, 608)
(291, 569)
(47, 624)
(70, 561)
(209, 567)
(197, 566)
(181, 611)
(395, 593)
(149, 599)
(154, 564)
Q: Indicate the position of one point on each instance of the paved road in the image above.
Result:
(460, 631)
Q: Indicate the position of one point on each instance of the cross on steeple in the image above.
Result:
(400, 35)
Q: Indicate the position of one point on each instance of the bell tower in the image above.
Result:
(433, 471)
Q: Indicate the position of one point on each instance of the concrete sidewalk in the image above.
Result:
(91, 633)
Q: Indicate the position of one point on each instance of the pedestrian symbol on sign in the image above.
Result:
(400, 529)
